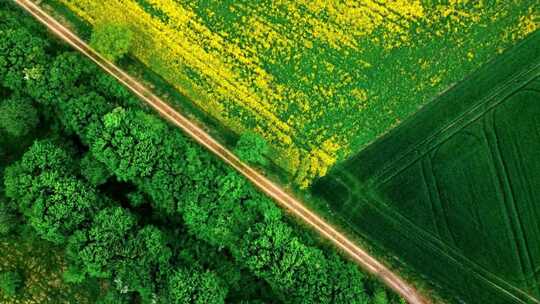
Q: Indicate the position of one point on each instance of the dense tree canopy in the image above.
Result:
(54, 202)
(218, 206)
(22, 57)
(95, 172)
(80, 111)
(17, 116)
(199, 288)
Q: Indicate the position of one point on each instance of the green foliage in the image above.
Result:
(41, 265)
(100, 246)
(10, 282)
(252, 148)
(55, 202)
(95, 172)
(17, 116)
(67, 77)
(115, 246)
(197, 288)
(131, 154)
(380, 297)
(8, 219)
(113, 296)
(210, 217)
(112, 40)
(136, 199)
(149, 259)
(219, 207)
(302, 273)
(42, 157)
(47, 156)
(80, 111)
(66, 205)
(22, 57)
(126, 143)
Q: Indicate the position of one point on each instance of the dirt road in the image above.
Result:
(264, 184)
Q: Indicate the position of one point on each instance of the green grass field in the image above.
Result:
(454, 191)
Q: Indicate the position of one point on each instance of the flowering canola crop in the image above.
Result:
(317, 79)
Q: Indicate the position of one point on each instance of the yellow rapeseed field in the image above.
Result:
(317, 79)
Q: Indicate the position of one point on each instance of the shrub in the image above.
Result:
(252, 148)
(112, 40)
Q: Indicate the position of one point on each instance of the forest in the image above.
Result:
(132, 210)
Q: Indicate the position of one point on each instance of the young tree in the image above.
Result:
(10, 282)
(252, 148)
(17, 116)
(112, 40)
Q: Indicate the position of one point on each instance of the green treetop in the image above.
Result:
(111, 40)
(17, 116)
(252, 148)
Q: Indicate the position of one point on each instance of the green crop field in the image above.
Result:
(454, 192)
(317, 79)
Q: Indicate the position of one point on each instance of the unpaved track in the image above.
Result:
(287, 201)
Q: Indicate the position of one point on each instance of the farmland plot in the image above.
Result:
(318, 79)
(455, 191)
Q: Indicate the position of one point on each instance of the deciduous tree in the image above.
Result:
(54, 201)
(184, 286)
(81, 111)
(17, 116)
(95, 172)
(252, 148)
(112, 40)
(22, 57)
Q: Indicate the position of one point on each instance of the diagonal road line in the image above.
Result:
(283, 198)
